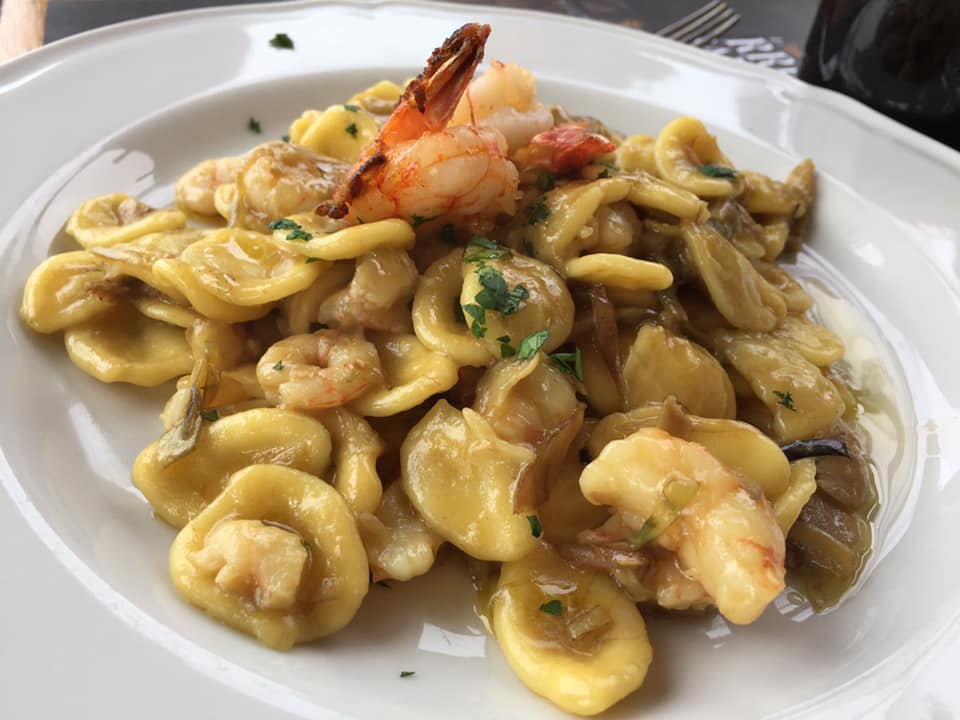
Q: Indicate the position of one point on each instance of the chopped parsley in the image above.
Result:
(478, 315)
(285, 137)
(351, 108)
(506, 349)
(570, 362)
(407, 673)
(553, 607)
(210, 415)
(278, 366)
(648, 531)
(480, 249)
(717, 171)
(296, 231)
(458, 312)
(546, 182)
(496, 295)
(418, 220)
(448, 235)
(535, 529)
(785, 399)
(604, 173)
(532, 344)
(352, 129)
(536, 212)
(281, 41)
(253, 125)
(312, 260)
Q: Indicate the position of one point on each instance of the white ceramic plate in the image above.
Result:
(90, 624)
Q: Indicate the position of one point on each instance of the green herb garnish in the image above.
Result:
(611, 166)
(717, 171)
(458, 312)
(479, 316)
(253, 125)
(285, 137)
(282, 41)
(496, 295)
(535, 529)
(785, 399)
(352, 129)
(532, 344)
(536, 212)
(553, 607)
(210, 415)
(283, 224)
(481, 249)
(312, 260)
(407, 673)
(506, 349)
(570, 362)
(546, 182)
(648, 531)
(278, 366)
(351, 108)
(604, 173)
(418, 220)
(299, 234)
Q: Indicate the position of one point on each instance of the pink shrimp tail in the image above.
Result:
(426, 105)
(566, 149)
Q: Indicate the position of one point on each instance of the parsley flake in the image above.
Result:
(496, 295)
(785, 399)
(351, 108)
(532, 344)
(458, 312)
(648, 531)
(546, 182)
(604, 173)
(536, 212)
(210, 415)
(611, 166)
(285, 137)
(278, 366)
(352, 129)
(480, 249)
(718, 171)
(283, 224)
(535, 528)
(253, 125)
(281, 41)
(312, 260)
(506, 349)
(407, 673)
(479, 317)
(553, 607)
(570, 362)
(299, 234)
(418, 220)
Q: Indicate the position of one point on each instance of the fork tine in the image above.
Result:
(682, 23)
(716, 32)
(704, 24)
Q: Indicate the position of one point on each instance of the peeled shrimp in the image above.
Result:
(326, 369)
(564, 149)
(197, 187)
(505, 97)
(676, 494)
(417, 167)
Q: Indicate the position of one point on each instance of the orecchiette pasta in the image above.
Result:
(447, 312)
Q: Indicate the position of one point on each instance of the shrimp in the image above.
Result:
(417, 167)
(505, 97)
(197, 187)
(378, 296)
(564, 149)
(676, 494)
(326, 369)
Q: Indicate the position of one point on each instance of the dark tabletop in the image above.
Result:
(788, 20)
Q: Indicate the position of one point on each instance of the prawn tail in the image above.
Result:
(567, 148)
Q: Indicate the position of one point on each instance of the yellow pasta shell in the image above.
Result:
(60, 292)
(682, 148)
(348, 243)
(619, 271)
(335, 579)
(123, 345)
(336, 132)
(181, 490)
(116, 218)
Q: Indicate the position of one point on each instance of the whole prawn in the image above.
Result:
(417, 167)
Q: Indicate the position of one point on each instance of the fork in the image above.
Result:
(703, 25)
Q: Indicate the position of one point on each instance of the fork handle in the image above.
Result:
(21, 26)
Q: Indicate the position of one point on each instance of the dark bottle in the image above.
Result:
(901, 57)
